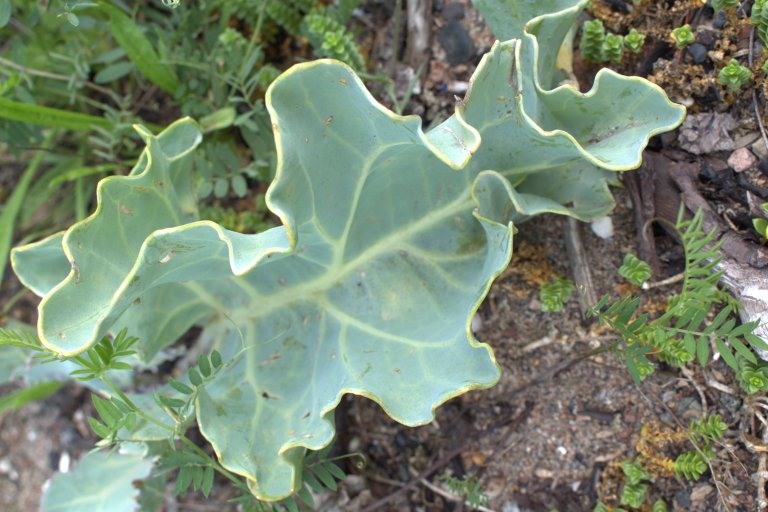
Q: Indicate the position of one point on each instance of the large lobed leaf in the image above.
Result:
(391, 238)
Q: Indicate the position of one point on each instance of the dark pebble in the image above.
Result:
(456, 42)
(698, 53)
(619, 5)
(683, 499)
(720, 20)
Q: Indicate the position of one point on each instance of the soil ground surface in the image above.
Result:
(552, 433)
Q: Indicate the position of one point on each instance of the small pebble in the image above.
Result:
(457, 44)
(64, 462)
(355, 484)
(510, 506)
(759, 149)
(698, 53)
(741, 160)
(603, 227)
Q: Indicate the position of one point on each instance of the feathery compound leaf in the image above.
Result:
(20, 338)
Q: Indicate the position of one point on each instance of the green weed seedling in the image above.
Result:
(613, 47)
(389, 240)
(634, 40)
(683, 36)
(734, 76)
(652, 463)
(592, 40)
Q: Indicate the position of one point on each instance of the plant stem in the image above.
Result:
(55, 76)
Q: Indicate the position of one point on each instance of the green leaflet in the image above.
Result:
(138, 49)
(5, 12)
(390, 240)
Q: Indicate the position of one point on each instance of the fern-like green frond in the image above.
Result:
(683, 332)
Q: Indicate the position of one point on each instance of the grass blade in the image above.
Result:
(13, 206)
(47, 116)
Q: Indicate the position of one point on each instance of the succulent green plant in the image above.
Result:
(613, 47)
(635, 490)
(331, 39)
(752, 375)
(592, 40)
(634, 40)
(734, 76)
(683, 36)
(759, 19)
(390, 239)
(691, 465)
